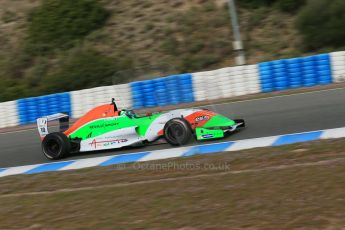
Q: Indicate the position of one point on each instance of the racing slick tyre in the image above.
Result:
(56, 146)
(177, 132)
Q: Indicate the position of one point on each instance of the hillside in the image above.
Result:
(188, 36)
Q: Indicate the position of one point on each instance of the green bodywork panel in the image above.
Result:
(205, 134)
(143, 123)
(219, 120)
(210, 130)
(102, 126)
(99, 127)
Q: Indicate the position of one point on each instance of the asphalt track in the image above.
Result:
(264, 117)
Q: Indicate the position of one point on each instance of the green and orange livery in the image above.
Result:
(106, 127)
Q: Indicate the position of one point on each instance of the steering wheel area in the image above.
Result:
(129, 113)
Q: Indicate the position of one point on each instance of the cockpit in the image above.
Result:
(129, 113)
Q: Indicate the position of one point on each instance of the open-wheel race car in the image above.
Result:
(106, 127)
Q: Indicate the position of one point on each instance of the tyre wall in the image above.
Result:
(29, 109)
(338, 66)
(170, 90)
(227, 82)
(295, 73)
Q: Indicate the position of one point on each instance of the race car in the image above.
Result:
(106, 127)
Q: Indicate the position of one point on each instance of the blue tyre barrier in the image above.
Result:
(299, 72)
(164, 91)
(30, 109)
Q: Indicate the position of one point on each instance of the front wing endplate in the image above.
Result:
(205, 134)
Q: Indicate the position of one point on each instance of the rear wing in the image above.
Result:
(42, 123)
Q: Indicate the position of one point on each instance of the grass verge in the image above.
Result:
(293, 186)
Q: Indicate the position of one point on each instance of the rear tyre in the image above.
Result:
(177, 132)
(56, 146)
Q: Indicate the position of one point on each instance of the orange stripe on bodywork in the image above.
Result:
(102, 111)
(195, 122)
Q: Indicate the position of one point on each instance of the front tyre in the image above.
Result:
(177, 132)
(56, 146)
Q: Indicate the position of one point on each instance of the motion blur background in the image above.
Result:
(72, 55)
(60, 45)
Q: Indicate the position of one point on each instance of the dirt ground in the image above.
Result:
(295, 186)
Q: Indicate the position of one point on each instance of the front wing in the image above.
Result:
(217, 132)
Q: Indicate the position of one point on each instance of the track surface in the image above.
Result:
(264, 117)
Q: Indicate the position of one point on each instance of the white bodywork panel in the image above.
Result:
(128, 136)
(115, 139)
(160, 122)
